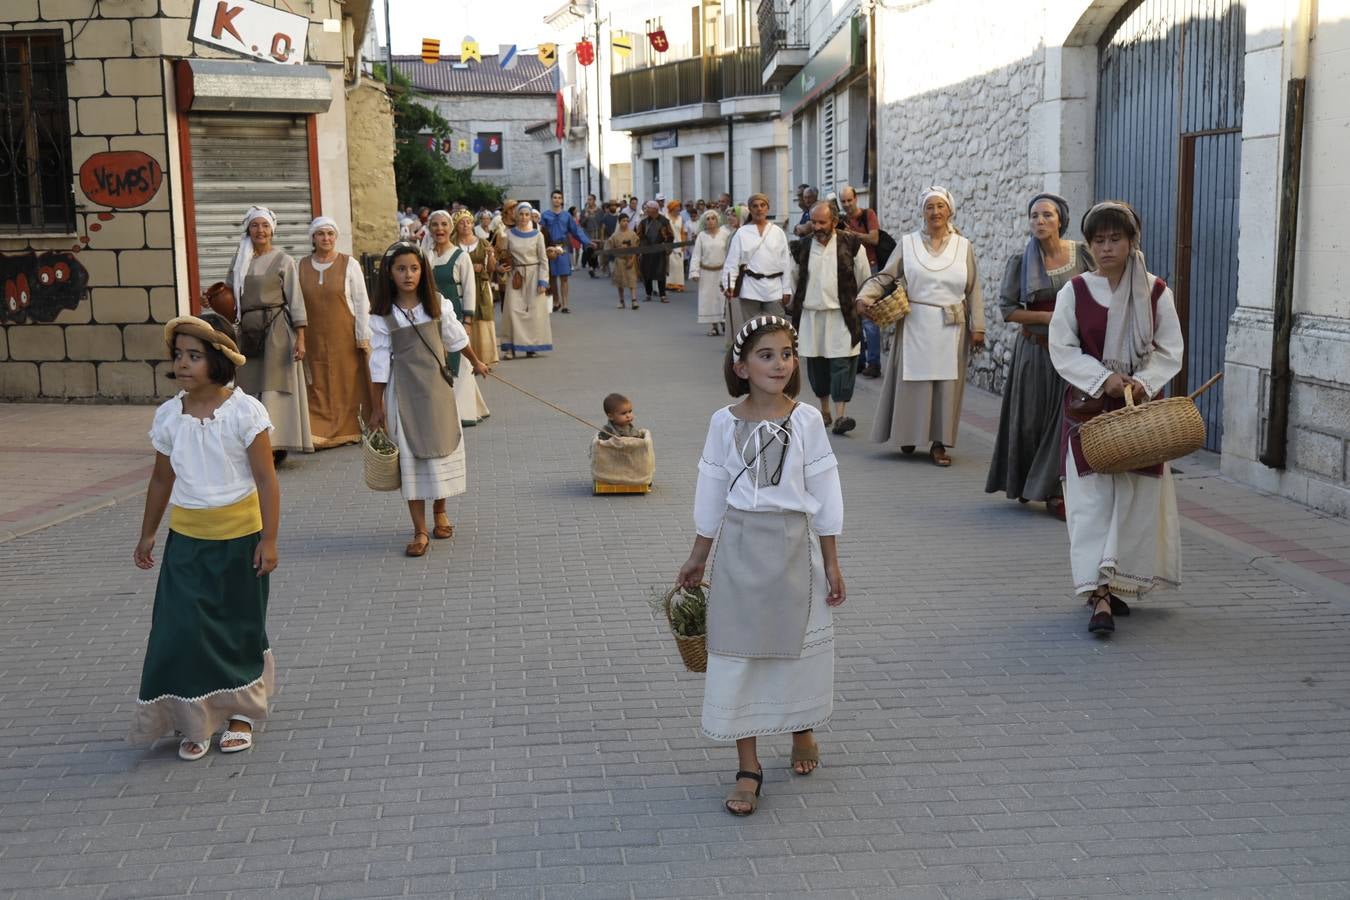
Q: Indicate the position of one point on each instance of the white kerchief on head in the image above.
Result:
(323, 222)
(428, 242)
(244, 255)
(940, 192)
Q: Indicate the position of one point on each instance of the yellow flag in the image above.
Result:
(468, 50)
(431, 51)
(463, 145)
(622, 44)
(548, 55)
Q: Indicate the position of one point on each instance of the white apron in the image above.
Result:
(931, 347)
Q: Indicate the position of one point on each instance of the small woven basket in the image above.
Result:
(1136, 437)
(381, 469)
(889, 309)
(693, 650)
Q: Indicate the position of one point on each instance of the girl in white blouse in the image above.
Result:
(768, 490)
(208, 663)
(410, 386)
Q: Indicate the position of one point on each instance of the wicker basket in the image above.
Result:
(889, 309)
(693, 650)
(1136, 437)
(381, 469)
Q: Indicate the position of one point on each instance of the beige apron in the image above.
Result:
(763, 579)
(264, 301)
(930, 337)
(427, 416)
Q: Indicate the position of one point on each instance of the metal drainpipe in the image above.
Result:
(1291, 171)
(874, 189)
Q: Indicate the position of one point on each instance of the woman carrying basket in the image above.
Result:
(1113, 329)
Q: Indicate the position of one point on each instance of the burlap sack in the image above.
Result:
(623, 460)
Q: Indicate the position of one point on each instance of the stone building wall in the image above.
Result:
(107, 340)
(955, 109)
(525, 160)
(370, 166)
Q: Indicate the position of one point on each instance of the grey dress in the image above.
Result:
(1026, 459)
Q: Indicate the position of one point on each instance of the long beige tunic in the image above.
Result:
(525, 310)
(920, 402)
(275, 378)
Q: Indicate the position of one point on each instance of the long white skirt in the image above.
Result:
(712, 303)
(424, 479)
(675, 269)
(468, 398)
(751, 697)
(1124, 531)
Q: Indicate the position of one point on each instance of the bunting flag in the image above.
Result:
(507, 57)
(468, 50)
(477, 145)
(445, 146)
(659, 41)
(463, 145)
(622, 44)
(585, 52)
(548, 55)
(431, 51)
(431, 143)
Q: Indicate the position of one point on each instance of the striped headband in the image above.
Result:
(756, 324)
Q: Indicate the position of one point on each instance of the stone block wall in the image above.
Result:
(956, 108)
(370, 168)
(106, 341)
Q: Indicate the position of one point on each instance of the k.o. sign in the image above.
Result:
(251, 29)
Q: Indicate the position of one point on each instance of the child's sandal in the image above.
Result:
(442, 531)
(809, 755)
(419, 545)
(186, 753)
(746, 797)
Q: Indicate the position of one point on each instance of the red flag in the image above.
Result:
(659, 42)
(560, 128)
(585, 52)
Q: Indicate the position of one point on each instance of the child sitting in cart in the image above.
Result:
(619, 412)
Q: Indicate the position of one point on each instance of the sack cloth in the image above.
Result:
(764, 577)
(623, 460)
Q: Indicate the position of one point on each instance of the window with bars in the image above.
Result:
(35, 169)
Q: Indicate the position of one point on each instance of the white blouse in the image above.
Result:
(766, 254)
(209, 456)
(358, 301)
(1087, 372)
(710, 249)
(809, 483)
(453, 336)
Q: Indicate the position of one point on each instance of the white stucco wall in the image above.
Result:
(748, 137)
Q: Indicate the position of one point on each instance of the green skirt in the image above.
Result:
(208, 658)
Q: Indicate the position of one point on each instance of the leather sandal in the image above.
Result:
(1101, 623)
(809, 755)
(419, 545)
(938, 454)
(739, 796)
(441, 532)
(185, 751)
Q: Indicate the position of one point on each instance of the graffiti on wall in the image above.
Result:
(121, 179)
(38, 286)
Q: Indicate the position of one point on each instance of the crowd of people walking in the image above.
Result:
(301, 359)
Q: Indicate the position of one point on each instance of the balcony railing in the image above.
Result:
(687, 82)
(780, 28)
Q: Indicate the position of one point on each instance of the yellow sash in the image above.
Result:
(219, 523)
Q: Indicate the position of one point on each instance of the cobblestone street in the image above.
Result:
(507, 718)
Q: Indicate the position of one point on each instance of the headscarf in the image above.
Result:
(716, 218)
(202, 331)
(1034, 278)
(523, 209)
(674, 206)
(429, 242)
(1129, 319)
(244, 255)
(323, 222)
(945, 196)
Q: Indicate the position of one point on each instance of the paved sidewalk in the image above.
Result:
(506, 718)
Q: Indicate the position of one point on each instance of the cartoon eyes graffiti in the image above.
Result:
(11, 297)
(21, 286)
(61, 272)
(16, 293)
(45, 276)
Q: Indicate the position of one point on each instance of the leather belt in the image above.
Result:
(1040, 340)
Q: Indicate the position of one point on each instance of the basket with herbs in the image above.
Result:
(686, 612)
(379, 458)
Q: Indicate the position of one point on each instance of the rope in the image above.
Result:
(546, 403)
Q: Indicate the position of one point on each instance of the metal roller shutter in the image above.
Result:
(242, 161)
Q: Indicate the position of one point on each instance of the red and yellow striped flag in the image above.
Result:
(431, 51)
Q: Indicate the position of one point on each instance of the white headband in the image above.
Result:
(754, 325)
(323, 222)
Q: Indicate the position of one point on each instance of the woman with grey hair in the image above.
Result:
(926, 374)
(1026, 455)
(710, 253)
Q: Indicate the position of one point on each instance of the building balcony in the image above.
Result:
(784, 48)
(701, 90)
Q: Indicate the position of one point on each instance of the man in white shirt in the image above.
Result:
(755, 275)
(826, 268)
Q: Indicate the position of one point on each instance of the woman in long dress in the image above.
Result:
(710, 254)
(675, 260)
(338, 311)
(526, 304)
(451, 270)
(926, 375)
(1114, 329)
(1026, 456)
(270, 314)
(506, 220)
(483, 327)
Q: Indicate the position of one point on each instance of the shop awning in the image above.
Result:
(218, 85)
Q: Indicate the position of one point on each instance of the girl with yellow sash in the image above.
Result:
(208, 664)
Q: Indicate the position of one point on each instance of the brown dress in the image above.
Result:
(339, 383)
(483, 330)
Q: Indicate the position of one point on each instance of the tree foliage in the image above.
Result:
(425, 178)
